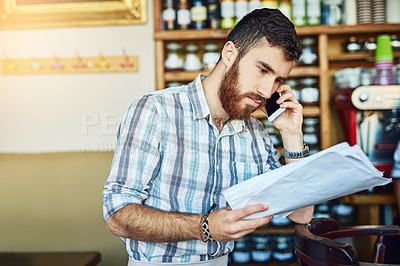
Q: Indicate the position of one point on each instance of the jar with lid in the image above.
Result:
(241, 252)
(272, 132)
(309, 54)
(344, 213)
(353, 45)
(261, 251)
(211, 55)
(322, 211)
(193, 61)
(174, 60)
(294, 85)
(284, 248)
(309, 93)
(311, 132)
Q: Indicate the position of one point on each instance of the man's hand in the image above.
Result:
(228, 225)
(291, 120)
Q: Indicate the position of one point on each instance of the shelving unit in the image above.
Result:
(331, 58)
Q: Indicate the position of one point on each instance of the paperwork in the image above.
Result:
(335, 172)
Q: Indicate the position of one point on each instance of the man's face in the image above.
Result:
(252, 79)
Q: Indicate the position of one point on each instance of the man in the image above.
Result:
(179, 148)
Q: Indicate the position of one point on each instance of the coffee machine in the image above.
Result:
(370, 117)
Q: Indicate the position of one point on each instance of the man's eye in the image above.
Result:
(262, 70)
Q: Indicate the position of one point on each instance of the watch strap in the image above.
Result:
(297, 154)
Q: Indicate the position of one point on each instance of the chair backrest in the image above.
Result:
(315, 245)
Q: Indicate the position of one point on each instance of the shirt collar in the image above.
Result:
(201, 108)
(198, 99)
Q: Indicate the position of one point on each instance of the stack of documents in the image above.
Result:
(332, 173)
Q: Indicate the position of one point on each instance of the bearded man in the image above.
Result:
(179, 148)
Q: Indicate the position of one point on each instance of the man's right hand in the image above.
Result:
(228, 225)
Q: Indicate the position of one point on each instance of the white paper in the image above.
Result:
(332, 173)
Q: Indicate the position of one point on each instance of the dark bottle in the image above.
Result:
(183, 15)
(213, 14)
(198, 14)
(169, 15)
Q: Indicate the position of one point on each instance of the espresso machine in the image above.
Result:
(370, 117)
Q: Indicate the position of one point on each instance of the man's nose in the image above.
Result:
(266, 89)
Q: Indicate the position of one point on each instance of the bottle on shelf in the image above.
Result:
(309, 54)
(299, 12)
(198, 14)
(183, 15)
(313, 12)
(285, 6)
(241, 9)
(213, 14)
(227, 14)
(270, 3)
(169, 15)
(254, 4)
(309, 93)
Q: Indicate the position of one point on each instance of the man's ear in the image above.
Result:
(229, 54)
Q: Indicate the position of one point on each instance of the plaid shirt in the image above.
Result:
(171, 157)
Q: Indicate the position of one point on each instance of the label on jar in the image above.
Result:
(241, 257)
(168, 15)
(199, 13)
(173, 62)
(310, 139)
(183, 17)
(310, 95)
(282, 256)
(299, 12)
(227, 9)
(261, 255)
(241, 8)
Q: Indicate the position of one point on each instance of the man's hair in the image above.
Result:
(267, 23)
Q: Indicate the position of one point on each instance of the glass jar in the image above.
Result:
(294, 85)
(353, 45)
(309, 93)
(241, 253)
(193, 61)
(211, 55)
(261, 251)
(284, 248)
(174, 60)
(309, 54)
(311, 132)
(322, 211)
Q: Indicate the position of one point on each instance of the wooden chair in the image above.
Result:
(315, 245)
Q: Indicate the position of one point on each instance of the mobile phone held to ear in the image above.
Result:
(272, 108)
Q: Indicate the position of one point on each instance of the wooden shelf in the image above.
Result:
(300, 71)
(368, 199)
(219, 34)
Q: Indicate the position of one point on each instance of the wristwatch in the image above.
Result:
(296, 154)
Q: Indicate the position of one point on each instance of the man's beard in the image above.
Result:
(230, 96)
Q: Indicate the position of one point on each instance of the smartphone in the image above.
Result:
(272, 108)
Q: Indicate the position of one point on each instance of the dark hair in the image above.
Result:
(271, 24)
